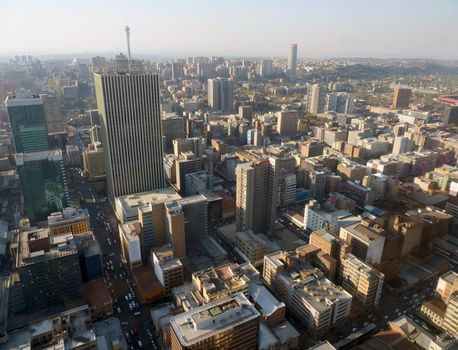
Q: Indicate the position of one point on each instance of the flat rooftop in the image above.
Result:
(68, 215)
(129, 204)
(364, 233)
(208, 320)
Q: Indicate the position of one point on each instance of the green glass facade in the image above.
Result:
(28, 124)
(44, 183)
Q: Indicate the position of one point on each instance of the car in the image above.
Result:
(127, 299)
(140, 345)
(137, 313)
(130, 296)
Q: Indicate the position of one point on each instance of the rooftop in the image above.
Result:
(264, 299)
(216, 317)
(66, 215)
(363, 232)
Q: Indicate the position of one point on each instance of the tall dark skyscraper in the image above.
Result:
(131, 132)
(28, 122)
(44, 183)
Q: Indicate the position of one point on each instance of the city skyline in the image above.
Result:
(338, 29)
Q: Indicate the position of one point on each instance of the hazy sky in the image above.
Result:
(321, 28)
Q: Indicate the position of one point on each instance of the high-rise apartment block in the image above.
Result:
(450, 115)
(231, 323)
(44, 183)
(28, 122)
(401, 98)
(221, 94)
(287, 123)
(265, 68)
(131, 136)
(339, 102)
(316, 99)
(252, 197)
(175, 231)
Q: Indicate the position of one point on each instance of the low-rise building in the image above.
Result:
(250, 246)
(167, 268)
(232, 321)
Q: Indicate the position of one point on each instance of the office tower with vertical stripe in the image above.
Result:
(131, 132)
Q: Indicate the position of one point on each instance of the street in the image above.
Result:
(135, 317)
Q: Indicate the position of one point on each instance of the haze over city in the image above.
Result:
(352, 28)
(228, 175)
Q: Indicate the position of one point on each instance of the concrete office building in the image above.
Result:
(287, 123)
(401, 98)
(69, 220)
(198, 182)
(167, 268)
(173, 127)
(231, 323)
(250, 246)
(195, 209)
(48, 268)
(129, 239)
(195, 145)
(361, 280)
(367, 243)
(55, 120)
(186, 164)
(94, 162)
(174, 228)
(221, 94)
(131, 136)
(292, 62)
(316, 99)
(28, 122)
(317, 217)
(43, 182)
(402, 144)
(251, 196)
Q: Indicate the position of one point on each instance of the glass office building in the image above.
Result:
(44, 183)
(28, 122)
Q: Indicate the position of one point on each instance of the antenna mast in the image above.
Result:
(128, 41)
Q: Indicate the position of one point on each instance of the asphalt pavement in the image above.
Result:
(135, 317)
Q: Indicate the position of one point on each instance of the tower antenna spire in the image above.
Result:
(128, 41)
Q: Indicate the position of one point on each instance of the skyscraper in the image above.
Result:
(450, 115)
(265, 68)
(221, 94)
(43, 181)
(28, 123)
(131, 132)
(292, 61)
(401, 97)
(252, 196)
(316, 99)
(287, 123)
